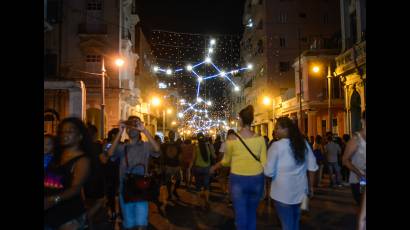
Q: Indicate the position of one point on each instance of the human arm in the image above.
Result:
(117, 139)
(312, 167)
(80, 173)
(271, 166)
(226, 160)
(350, 150)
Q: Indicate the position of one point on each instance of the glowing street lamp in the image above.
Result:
(156, 101)
(316, 69)
(119, 62)
(266, 100)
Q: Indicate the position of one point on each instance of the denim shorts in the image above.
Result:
(135, 214)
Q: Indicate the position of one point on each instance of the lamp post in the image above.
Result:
(316, 69)
(102, 131)
(300, 83)
(329, 86)
(118, 62)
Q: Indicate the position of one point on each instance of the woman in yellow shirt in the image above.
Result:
(246, 180)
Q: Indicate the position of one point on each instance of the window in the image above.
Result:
(326, 19)
(283, 17)
(93, 58)
(260, 2)
(94, 5)
(282, 42)
(284, 66)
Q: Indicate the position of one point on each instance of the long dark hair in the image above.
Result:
(202, 147)
(85, 144)
(297, 141)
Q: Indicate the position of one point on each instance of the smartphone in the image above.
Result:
(108, 146)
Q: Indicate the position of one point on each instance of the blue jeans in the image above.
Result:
(246, 192)
(135, 214)
(289, 215)
(334, 169)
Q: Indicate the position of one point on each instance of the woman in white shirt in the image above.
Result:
(288, 161)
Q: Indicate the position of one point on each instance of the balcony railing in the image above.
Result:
(352, 58)
(92, 29)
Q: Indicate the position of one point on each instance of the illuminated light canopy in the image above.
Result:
(213, 41)
(236, 88)
(250, 66)
(189, 67)
(208, 60)
(169, 71)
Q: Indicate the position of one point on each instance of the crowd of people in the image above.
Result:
(87, 181)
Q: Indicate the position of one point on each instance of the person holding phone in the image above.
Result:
(136, 152)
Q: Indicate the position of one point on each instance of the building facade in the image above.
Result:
(314, 105)
(84, 35)
(351, 63)
(276, 31)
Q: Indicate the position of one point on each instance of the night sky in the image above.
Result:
(195, 22)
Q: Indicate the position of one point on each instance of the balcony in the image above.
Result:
(92, 29)
(352, 58)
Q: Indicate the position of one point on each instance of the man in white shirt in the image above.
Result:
(333, 151)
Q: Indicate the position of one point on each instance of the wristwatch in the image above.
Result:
(57, 199)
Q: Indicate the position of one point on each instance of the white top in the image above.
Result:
(289, 180)
(358, 158)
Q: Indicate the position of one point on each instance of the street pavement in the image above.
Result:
(330, 209)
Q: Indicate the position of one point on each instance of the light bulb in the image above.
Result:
(208, 60)
(189, 67)
(169, 71)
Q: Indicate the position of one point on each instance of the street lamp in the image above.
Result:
(118, 62)
(317, 69)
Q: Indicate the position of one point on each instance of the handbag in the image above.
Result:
(304, 206)
(139, 187)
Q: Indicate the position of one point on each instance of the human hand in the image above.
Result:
(123, 126)
(140, 127)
